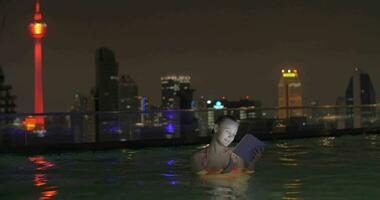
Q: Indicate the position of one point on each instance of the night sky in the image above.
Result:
(231, 48)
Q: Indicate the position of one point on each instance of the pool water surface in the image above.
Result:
(319, 168)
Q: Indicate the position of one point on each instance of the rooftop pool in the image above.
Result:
(344, 167)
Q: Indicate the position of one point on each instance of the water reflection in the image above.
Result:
(170, 174)
(288, 153)
(327, 141)
(292, 190)
(41, 180)
(130, 154)
(373, 139)
(227, 186)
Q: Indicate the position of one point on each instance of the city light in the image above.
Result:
(289, 73)
(38, 29)
(29, 123)
(218, 105)
(170, 128)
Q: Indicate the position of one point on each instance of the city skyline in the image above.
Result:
(223, 47)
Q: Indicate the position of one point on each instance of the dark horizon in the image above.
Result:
(222, 45)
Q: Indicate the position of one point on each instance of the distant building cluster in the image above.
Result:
(212, 108)
(114, 105)
(112, 93)
(7, 100)
(176, 92)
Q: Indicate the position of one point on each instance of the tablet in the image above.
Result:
(248, 147)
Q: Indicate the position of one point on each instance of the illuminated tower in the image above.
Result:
(38, 29)
(289, 94)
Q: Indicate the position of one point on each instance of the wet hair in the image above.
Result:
(223, 118)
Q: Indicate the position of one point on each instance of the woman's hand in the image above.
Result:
(252, 165)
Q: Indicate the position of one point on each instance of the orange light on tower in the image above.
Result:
(37, 29)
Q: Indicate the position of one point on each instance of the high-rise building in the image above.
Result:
(81, 119)
(7, 101)
(107, 85)
(176, 92)
(142, 105)
(132, 106)
(289, 94)
(128, 93)
(245, 108)
(340, 112)
(360, 94)
(201, 113)
(106, 96)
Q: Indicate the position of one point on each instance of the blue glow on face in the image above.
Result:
(173, 182)
(170, 128)
(171, 162)
(169, 175)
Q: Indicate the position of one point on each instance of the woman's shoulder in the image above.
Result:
(197, 159)
(201, 151)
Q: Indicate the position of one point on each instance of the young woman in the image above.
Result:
(218, 158)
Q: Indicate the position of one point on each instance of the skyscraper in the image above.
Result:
(7, 104)
(80, 121)
(106, 95)
(176, 92)
(128, 92)
(107, 85)
(245, 108)
(129, 103)
(360, 93)
(289, 94)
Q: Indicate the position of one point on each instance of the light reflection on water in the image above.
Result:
(287, 154)
(319, 168)
(373, 139)
(40, 178)
(327, 141)
(222, 188)
(292, 189)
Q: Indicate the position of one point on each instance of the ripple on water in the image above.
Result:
(317, 168)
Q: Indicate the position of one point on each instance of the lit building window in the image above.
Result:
(114, 78)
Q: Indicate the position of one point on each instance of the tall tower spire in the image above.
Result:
(37, 29)
(37, 15)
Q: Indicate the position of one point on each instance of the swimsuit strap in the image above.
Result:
(205, 161)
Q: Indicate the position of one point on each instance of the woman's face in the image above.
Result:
(227, 132)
